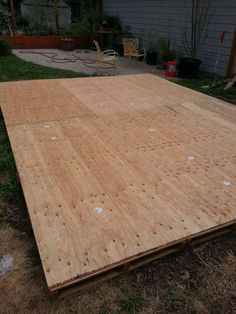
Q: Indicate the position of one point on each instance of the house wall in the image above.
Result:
(144, 16)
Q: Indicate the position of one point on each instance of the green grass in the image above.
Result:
(15, 69)
(6, 157)
(176, 301)
(9, 187)
(33, 255)
(3, 219)
(33, 303)
(10, 190)
(128, 300)
(217, 91)
(130, 303)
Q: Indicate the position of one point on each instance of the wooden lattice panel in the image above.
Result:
(131, 47)
(115, 168)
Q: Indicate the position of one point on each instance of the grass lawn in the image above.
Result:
(199, 279)
(217, 91)
(15, 69)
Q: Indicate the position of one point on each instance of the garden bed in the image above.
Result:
(44, 42)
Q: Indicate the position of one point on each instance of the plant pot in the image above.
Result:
(188, 68)
(170, 70)
(151, 58)
(67, 44)
(119, 48)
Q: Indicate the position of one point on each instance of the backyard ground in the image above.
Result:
(200, 279)
(218, 91)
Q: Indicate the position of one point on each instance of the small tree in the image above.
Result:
(56, 15)
(195, 35)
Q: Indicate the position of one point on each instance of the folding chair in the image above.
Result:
(106, 56)
(131, 48)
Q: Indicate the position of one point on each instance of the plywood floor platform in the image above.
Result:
(114, 169)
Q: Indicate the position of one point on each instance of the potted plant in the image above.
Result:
(193, 37)
(151, 51)
(115, 40)
(166, 54)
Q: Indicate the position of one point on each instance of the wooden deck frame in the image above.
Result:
(142, 261)
(158, 155)
(78, 285)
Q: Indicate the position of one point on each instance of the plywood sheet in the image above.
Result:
(158, 159)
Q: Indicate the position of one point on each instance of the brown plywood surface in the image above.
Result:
(157, 158)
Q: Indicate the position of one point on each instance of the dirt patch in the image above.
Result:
(23, 288)
(19, 284)
(201, 279)
(196, 280)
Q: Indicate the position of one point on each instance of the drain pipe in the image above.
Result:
(222, 37)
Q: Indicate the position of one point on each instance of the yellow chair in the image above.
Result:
(131, 48)
(106, 56)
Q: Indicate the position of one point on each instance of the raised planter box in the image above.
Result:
(44, 42)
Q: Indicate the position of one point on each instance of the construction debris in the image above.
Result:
(230, 83)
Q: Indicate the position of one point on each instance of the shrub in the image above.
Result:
(5, 48)
(81, 29)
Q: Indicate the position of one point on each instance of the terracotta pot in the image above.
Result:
(67, 44)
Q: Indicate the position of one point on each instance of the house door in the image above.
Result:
(232, 60)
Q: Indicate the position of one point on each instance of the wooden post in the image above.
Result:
(232, 59)
(99, 6)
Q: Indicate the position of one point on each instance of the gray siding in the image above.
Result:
(145, 15)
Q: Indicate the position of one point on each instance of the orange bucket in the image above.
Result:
(171, 68)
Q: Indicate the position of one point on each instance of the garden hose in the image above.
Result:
(53, 57)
